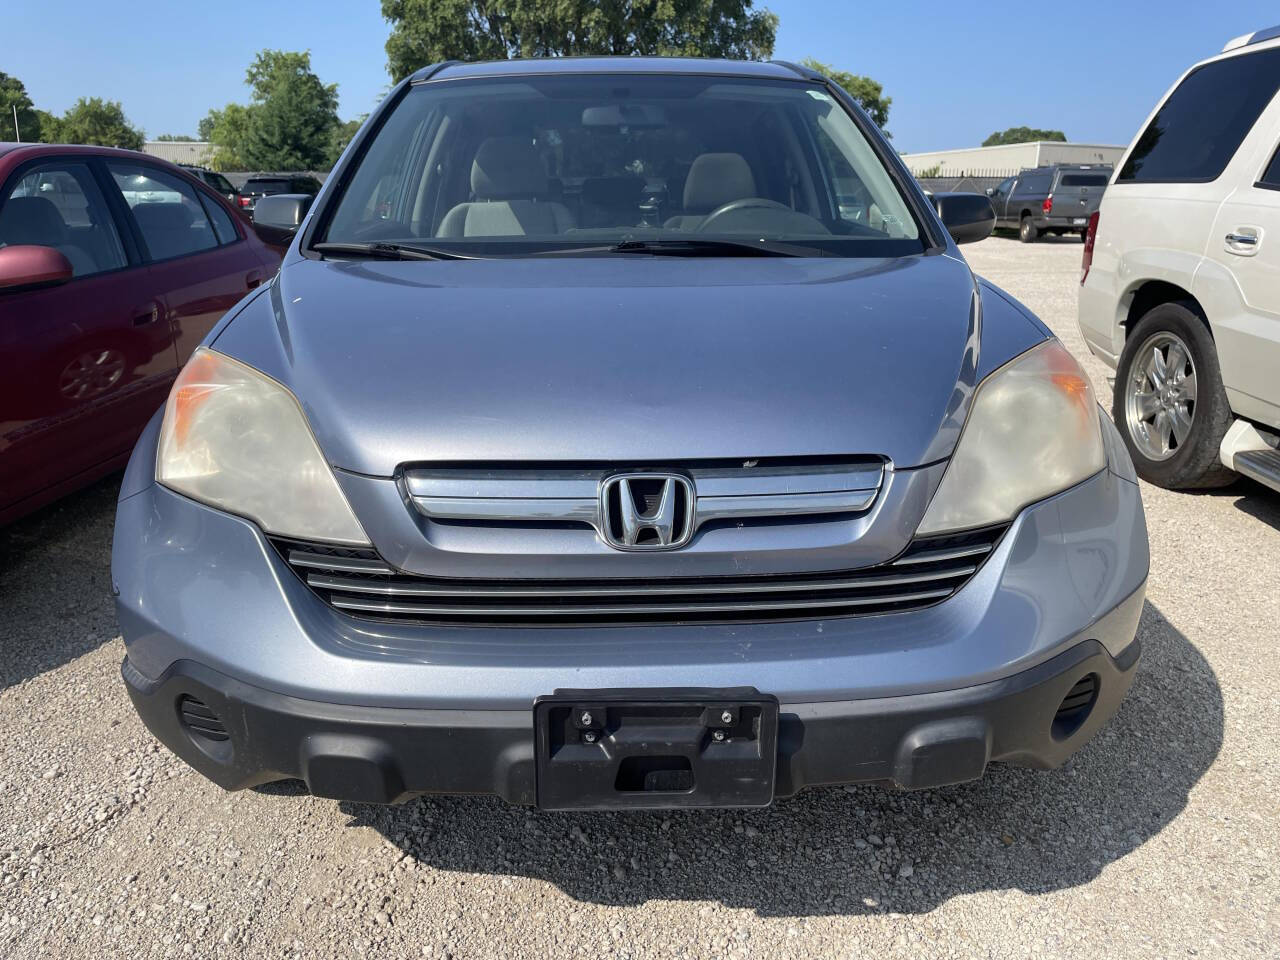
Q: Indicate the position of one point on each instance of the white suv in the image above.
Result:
(1180, 291)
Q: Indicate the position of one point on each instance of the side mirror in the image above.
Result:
(24, 266)
(968, 217)
(277, 218)
(991, 191)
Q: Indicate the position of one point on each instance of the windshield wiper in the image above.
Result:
(389, 251)
(693, 247)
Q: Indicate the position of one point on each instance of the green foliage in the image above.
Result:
(934, 171)
(293, 114)
(227, 129)
(100, 122)
(340, 137)
(50, 127)
(290, 123)
(14, 94)
(868, 93)
(90, 120)
(1023, 135)
(428, 31)
(175, 138)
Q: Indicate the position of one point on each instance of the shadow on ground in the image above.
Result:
(1259, 502)
(1073, 239)
(813, 855)
(55, 583)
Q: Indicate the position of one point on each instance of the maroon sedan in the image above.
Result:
(113, 267)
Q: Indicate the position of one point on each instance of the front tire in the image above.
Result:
(1027, 231)
(1170, 405)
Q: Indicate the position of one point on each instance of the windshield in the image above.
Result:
(501, 166)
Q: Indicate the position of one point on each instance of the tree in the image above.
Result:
(427, 31)
(227, 130)
(1023, 135)
(289, 123)
(100, 122)
(868, 93)
(175, 138)
(50, 127)
(14, 94)
(340, 137)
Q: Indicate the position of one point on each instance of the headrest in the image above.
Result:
(508, 168)
(162, 216)
(33, 220)
(715, 179)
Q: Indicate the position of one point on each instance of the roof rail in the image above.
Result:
(430, 70)
(798, 69)
(1258, 36)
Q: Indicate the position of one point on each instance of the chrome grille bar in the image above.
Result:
(572, 495)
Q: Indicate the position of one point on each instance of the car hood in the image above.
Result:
(625, 360)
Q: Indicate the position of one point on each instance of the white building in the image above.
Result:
(1007, 159)
(195, 153)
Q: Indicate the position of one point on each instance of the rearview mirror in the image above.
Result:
(277, 218)
(24, 266)
(968, 217)
(636, 115)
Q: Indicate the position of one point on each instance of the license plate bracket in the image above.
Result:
(656, 749)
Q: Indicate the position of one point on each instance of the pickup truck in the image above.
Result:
(1056, 199)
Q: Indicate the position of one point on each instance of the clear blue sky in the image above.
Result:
(1091, 69)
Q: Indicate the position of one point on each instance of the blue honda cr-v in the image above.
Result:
(626, 433)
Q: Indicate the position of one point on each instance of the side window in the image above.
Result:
(1035, 183)
(170, 218)
(222, 225)
(59, 205)
(1003, 186)
(1198, 129)
(1272, 176)
(219, 183)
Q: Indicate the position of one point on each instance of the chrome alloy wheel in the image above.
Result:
(1160, 397)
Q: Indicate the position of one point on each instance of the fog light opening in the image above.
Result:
(204, 728)
(1075, 707)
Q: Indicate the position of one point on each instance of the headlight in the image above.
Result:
(237, 440)
(1032, 431)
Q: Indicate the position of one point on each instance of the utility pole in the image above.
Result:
(17, 134)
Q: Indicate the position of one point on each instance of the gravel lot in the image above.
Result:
(1160, 839)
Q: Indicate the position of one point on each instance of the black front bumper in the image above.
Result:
(239, 735)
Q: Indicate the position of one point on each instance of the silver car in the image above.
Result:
(593, 449)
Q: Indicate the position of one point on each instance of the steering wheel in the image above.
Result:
(742, 203)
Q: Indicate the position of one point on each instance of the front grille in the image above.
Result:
(362, 584)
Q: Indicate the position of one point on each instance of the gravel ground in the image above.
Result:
(1160, 839)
